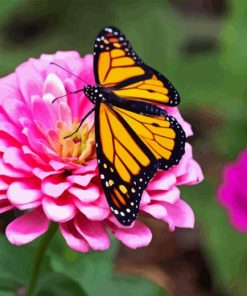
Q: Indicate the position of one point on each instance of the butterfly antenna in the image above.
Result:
(55, 64)
(70, 93)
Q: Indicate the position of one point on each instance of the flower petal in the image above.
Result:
(20, 193)
(4, 204)
(89, 194)
(170, 195)
(54, 185)
(58, 210)
(82, 180)
(30, 84)
(179, 214)
(27, 227)
(91, 211)
(54, 85)
(93, 232)
(16, 158)
(193, 175)
(135, 237)
(8, 171)
(74, 240)
(158, 211)
(163, 180)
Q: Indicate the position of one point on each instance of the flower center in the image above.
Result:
(79, 147)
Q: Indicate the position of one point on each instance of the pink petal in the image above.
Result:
(44, 174)
(135, 237)
(170, 195)
(181, 168)
(7, 126)
(90, 166)
(3, 184)
(15, 109)
(7, 141)
(73, 99)
(44, 112)
(74, 240)
(34, 158)
(89, 194)
(238, 218)
(54, 185)
(174, 111)
(91, 211)
(57, 165)
(64, 112)
(145, 199)
(30, 84)
(5, 207)
(158, 211)
(4, 204)
(93, 232)
(16, 158)
(32, 135)
(60, 55)
(162, 181)
(82, 180)
(27, 227)
(9, 88)
(28, 206)
(24, 192)
(58, 210)
(54, 85)
(7, 170)
(194, 174)
(179, 214)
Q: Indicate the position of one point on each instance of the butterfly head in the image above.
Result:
(94, 93)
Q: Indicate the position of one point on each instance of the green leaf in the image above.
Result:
(94, 273)
(55, 284)
(22, 256)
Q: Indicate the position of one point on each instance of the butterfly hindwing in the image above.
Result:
(118, 67)
(125, 164)
(161, 134)
(130, 149)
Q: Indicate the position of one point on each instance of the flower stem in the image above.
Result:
(39, 258)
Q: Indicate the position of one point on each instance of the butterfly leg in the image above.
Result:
(81, 122)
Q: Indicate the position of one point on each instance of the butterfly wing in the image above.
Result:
(130, 149)
(125, 164)
(161, 134)
(118, 67)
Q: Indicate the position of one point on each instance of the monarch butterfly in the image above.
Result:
(134, 137)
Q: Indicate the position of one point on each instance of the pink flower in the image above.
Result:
(50, 178)
(233, 193)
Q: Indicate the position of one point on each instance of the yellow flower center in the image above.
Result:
(79, 147)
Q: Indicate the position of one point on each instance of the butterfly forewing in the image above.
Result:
(118, 67)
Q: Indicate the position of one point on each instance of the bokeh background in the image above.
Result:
(201, 46)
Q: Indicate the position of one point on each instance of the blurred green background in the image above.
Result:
(201, 46)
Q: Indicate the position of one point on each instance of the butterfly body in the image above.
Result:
(98, 94)
(135, 136)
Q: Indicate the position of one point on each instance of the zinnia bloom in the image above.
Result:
(50, 178)
(233, 193)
